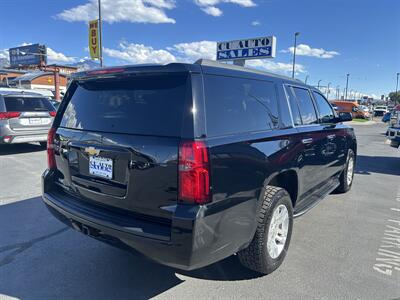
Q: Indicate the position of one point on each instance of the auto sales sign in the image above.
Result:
(256, 48)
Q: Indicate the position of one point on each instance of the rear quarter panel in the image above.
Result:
(240, 168)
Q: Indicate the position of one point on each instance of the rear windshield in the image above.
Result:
(152, 105)
(22, 104)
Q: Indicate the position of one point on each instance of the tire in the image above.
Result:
(257, 255)
(345, 184)
(43, 144)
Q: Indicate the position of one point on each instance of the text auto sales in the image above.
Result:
(251, 48)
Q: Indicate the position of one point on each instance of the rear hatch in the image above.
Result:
(32, 113)
(118, 139)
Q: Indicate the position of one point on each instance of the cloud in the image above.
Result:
(306, 50)
(139, 54)
(212, 11)
(209, 6)
(275, 67)
(4, 53)
(113, 11)
(189, 53)
(58, 57)
(256, 23)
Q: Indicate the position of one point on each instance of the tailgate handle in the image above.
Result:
(134, 164)
(307, 141)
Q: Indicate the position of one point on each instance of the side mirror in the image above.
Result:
(345, 117)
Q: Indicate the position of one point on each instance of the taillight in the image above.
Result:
(52, 113)
(9, 115)
(194, 172)
(51, 159)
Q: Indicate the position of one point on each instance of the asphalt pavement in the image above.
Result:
(347, 247)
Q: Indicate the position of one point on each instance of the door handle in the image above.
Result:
(331, 136)
(307, 141)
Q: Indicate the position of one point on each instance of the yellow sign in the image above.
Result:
(94, 39)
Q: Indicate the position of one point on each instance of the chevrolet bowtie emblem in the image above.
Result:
(92, 151)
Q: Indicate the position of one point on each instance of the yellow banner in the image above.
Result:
(94, 39)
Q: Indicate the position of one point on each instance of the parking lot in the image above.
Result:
(346, 248)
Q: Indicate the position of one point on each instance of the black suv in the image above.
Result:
(191, 163)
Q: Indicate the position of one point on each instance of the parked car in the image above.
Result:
(380, 110)
(393, 131)
(354, 108)
(191, 163)
(24, 117)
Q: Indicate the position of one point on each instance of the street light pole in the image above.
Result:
(347, 86)
(318, 83)
(294, 52)
(100, 38)
(338, 92)
(309, 76)
(327, 91)
(397, 86)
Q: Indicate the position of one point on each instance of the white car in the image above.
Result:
(380, 110)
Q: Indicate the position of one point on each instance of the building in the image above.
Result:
(8, 74)
(39, 80)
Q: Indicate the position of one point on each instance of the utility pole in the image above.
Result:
(338, 92)
(308, 77)
(319, 83)
(294, 52)
(100, 37)
(347, 85)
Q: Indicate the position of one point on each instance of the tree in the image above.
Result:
(395, 97)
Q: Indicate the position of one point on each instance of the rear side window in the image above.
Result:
(22, 104)
(151, 105)
(325, 112)
(306, 106)
(294, 106)
(235, 105)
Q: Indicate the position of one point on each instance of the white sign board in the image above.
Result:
(256, 48)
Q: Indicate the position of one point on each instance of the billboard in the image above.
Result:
(94, 39)
(255, 48)
(34, 54)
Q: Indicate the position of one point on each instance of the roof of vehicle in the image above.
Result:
(19, 94)
(32, 75)
(344, 102)
(201, 65)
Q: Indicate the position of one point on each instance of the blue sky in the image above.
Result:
(337, 36)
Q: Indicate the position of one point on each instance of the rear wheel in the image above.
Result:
(346, 178)
(268, 248)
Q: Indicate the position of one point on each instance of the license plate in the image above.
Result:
(101, 166)
(35, 121)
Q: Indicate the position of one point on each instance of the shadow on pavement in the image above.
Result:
(41, 258)
(377, 164)
(20, 148)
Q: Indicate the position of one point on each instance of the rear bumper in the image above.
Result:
(24, 139)
(195, 238)
(8, 136)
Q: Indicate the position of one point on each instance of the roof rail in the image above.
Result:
(217, 64)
